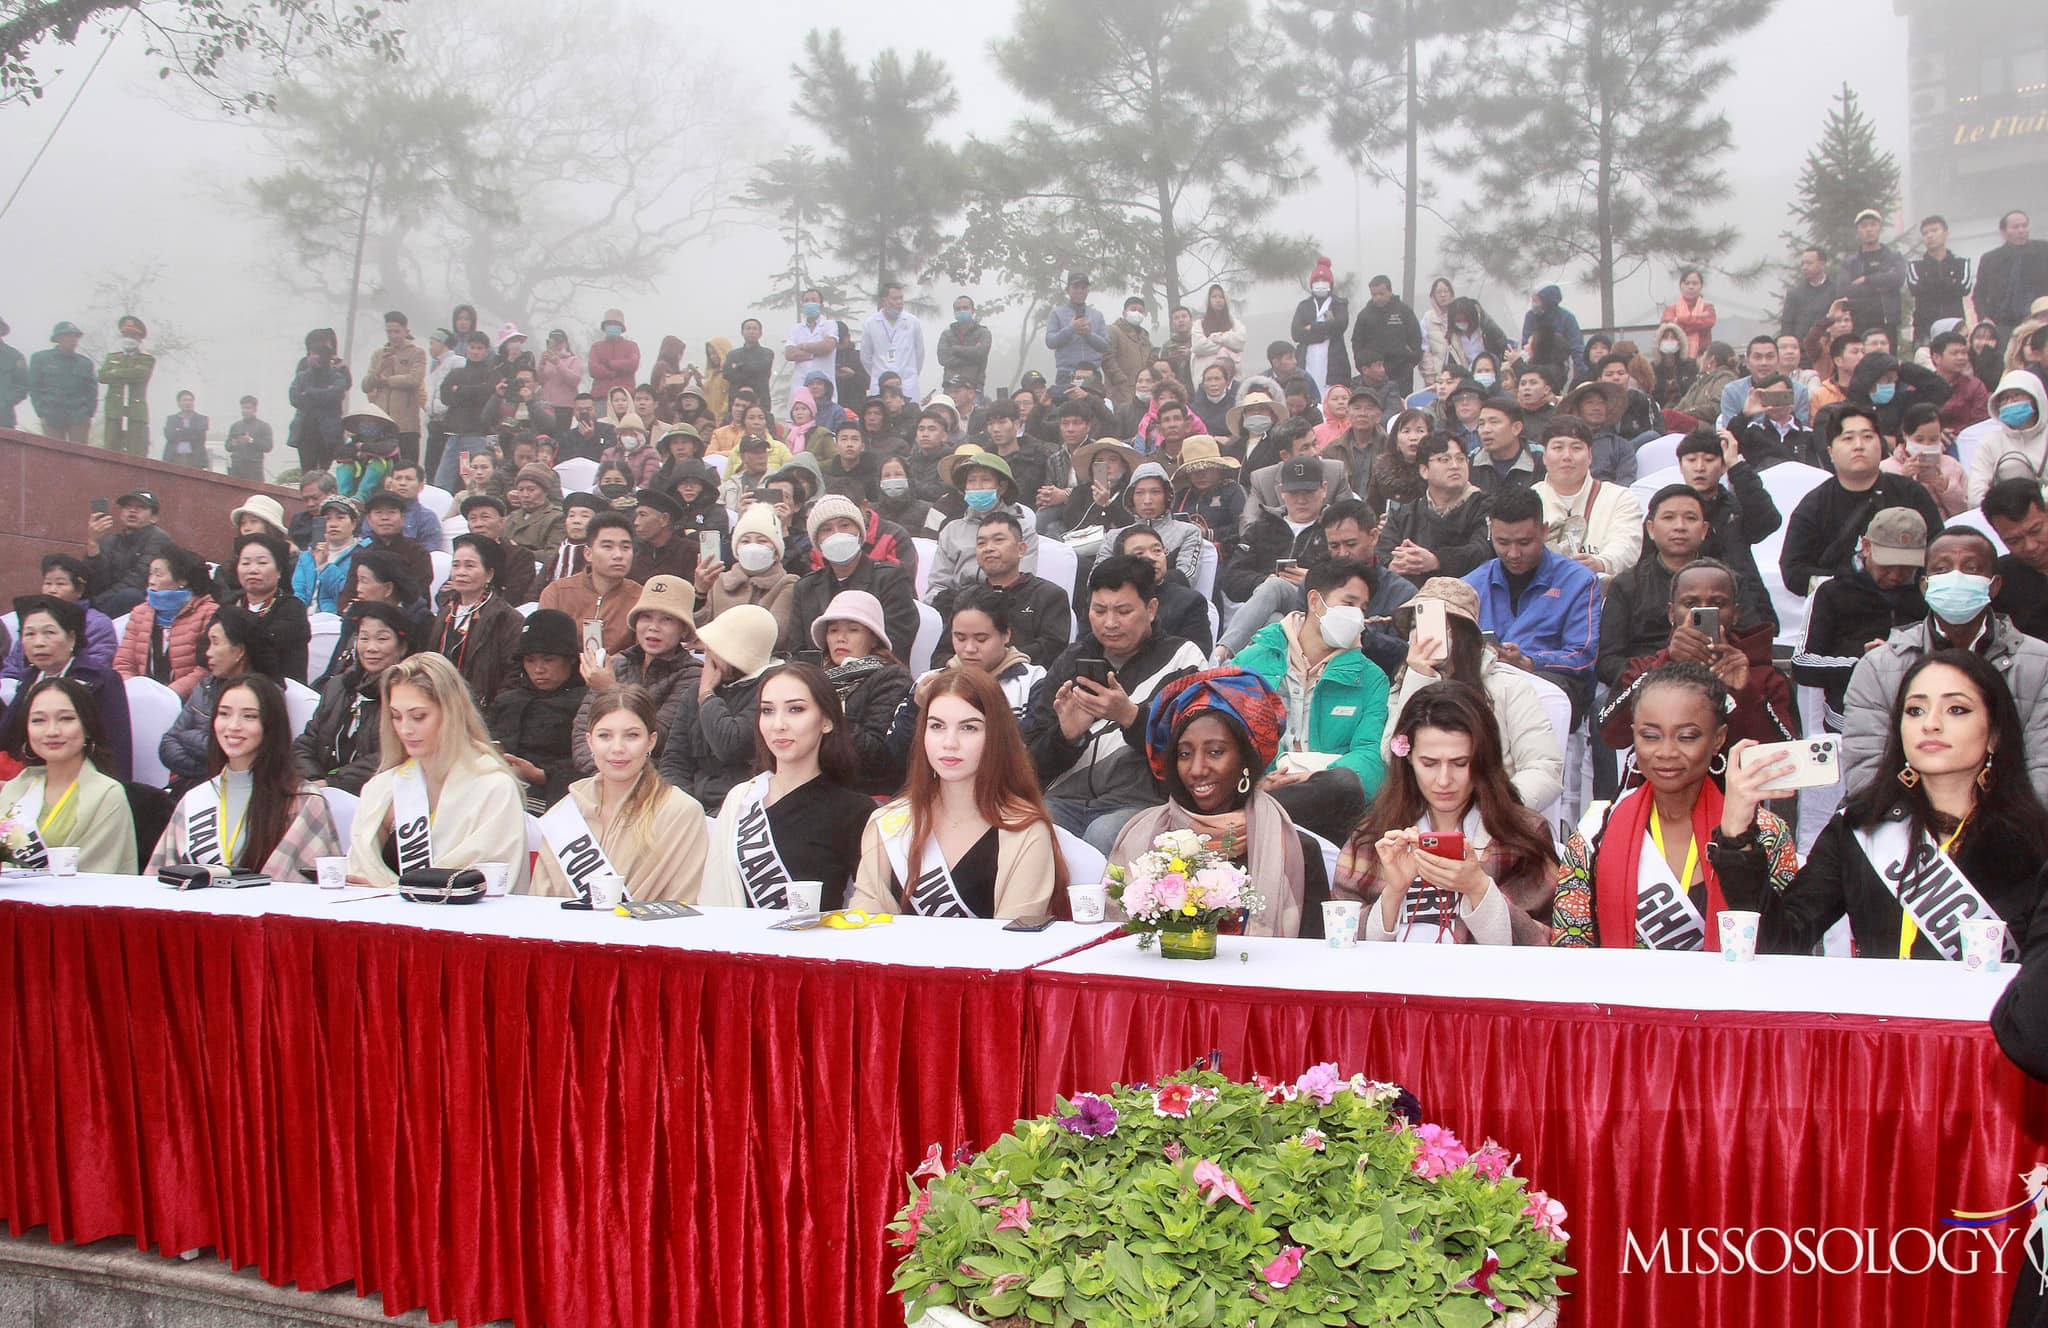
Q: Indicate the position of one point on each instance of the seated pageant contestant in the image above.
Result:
(1447, 775)
(253, 812)
(801, 819)
(623, 820)
(1211, 739)
(443, 797)
(1648, 880)
(1950, 829)
(971, 816)
(67, 796)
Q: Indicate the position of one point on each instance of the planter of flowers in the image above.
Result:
(1204, 1201)
(1181, 891)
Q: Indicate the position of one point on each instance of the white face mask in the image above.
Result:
(1257, 425)
(1320, 289)
(840, 548)
(1135, 317)
(1342, 625)
(130, 344)
(755, 557)
(1668, 347)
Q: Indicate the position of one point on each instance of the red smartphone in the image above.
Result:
(1444, 844)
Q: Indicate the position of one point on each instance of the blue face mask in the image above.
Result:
(2016, 414)
(963, 315)
(811, 311)
(980, 500)
(614, 330)
(168, 603)
(1883, 393)
(1957, 597)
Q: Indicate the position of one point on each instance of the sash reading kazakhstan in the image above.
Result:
(763, 875)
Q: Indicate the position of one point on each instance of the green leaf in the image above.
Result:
(1463, 1312)
(1050, 1284)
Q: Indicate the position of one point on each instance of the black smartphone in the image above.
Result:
(768, 496)
(1094, 670)
(100, 507)
(1284, 564)
(1029, 922)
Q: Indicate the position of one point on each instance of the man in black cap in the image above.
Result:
(657, 548)
(533, 721)
(119, 558)
(1276, 551)
(1076, 332)
(384, 517)
(486, 513)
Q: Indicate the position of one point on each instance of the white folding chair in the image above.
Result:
(300, 701)
(12, 621)
(8, 687)
(121, 626)
(1787, 483)
(451, 526)
(535, 841)
(341, 805)
(326, 628)
(1968, 439)
(577, 474)
(441, 562)
(1330, 855)
(1085, 863)
(1658, 453)
(927, 554)
(717, 462)
(526, 610)
(929, 625)
(1205, 571)
(437, 500)
(1648, 482)
(1057, 564)
(1557, 708)
(152, 709)
(1976, 520)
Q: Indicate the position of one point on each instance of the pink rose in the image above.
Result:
(1172, 891)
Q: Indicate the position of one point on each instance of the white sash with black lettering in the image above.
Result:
(932, 894)
(763, 874)
(203, 818)
(412, 820)
(577, 852)
(1928, 885)
(26, 813)
(1666, 917)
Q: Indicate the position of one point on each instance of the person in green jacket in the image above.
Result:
(126, 375)
(60, 387)
(1329, 765)
(13, 378)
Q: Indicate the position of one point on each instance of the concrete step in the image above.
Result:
(111, 1284)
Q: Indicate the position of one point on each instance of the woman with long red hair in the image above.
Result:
(971, 818)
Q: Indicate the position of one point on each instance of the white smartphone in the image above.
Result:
(1818, 761)
(1432, 621)
(710, 548)
(593, 634)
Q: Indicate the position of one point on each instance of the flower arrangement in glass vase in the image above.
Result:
(1181, 890)
(13, 840)
(1201, 1200)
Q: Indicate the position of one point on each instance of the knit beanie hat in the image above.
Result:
(743, 636)
(829, 507)
(549, 632)
(550, 483)
(1322, 272)
(759, 519)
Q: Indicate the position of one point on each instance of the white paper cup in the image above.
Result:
(805, 898)
(1088, 900)
(497, 875)
(63, 861)
(1983, 945)
(332, 873)
(1340, 923)
(607, 891)
(1738, 934)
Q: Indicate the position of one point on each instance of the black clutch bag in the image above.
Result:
(442, 885)
(198, 876)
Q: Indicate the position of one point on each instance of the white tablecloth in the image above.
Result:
(920, 942)
(1893, 988)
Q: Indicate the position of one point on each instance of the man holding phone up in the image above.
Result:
(1272, 560)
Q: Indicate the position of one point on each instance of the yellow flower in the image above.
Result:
(1189, 908)
(1177, 864)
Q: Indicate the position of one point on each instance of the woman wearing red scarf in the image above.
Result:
(1647, 880)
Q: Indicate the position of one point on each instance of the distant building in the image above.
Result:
(1977, 103)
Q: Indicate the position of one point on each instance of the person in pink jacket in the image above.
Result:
(561, 372)
(614, 361)
(1694, 316)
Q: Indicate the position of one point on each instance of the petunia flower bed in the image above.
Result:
(1201, 1201)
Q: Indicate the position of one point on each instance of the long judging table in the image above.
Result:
(570, 1119)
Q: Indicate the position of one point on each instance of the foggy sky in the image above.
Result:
(131, 180)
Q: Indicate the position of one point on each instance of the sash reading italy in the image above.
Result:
(932, 893)
(1928, 885)
(209, 840)
(412, 820)
(763, 875)
(27, 817)
(577, 852)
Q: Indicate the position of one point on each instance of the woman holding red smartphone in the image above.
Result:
(1447, 854)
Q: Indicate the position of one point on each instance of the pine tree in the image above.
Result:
(1592, 141)
(785, 189)
(1845, 173)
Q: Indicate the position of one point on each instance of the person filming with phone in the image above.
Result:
(1705, 612)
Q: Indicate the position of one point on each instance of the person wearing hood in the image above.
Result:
(695, 486)
(534, 720)
(61, 387)
(964, 344)
(1600, 405)
(338, 747)
(1854, 612)
(1551, 336)
(535, 522)
(1962, 580)
(1674, 370)
(395, 382)
(13, 378)
(614, 360)
(802, 430)
(2017, 446)
(836, 526)
(319, 386)
(1149, 495)
(754, 576)
(126, 373)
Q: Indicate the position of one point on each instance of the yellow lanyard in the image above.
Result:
(1692, 851)
(230, 834)
(1909, 931)
(50, 812)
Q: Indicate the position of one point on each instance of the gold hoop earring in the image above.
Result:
(1909, 776)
